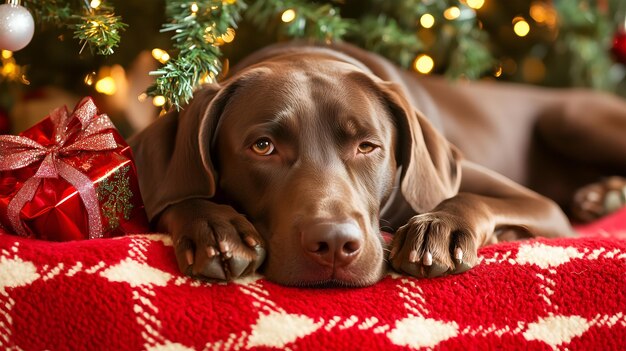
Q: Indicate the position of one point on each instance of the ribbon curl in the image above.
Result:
(17, 152)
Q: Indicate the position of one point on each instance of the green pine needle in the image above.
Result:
(198, 28)
(57, 12)
(100, 31)
(460, 47)
(384, 35)
(319, 22)
(98, 28)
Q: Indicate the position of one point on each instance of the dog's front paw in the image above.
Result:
(435, 244)
(214, 241)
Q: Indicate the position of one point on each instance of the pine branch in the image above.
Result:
(56, 12)
(319, 22)
(98, 28)
(199, 28)
(383, 35)
(198, 32)
(470, 56)
(460, 44)
(585, 33)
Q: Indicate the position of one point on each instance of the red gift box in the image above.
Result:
(69, 177)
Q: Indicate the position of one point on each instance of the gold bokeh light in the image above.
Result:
(424, 64)
(427, 20)
(288, 16)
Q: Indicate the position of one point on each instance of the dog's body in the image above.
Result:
(319, 147)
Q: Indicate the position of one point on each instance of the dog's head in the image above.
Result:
(308, 147)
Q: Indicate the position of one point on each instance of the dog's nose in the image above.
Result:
(331, 244)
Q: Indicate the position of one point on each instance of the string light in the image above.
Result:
(475, 4)
(520, 26)
(10, 70)
(160, 55)
(94, 4)
(225, 38)
(208, 34)
(194, 7)
(452, 13)
(424, 64)
(229, 36)
(209, 77)
(427, 20)
(538, 12)
(106, 86)
(158, 100)
(498, 71)
(89, 78)
(288, 16)
(542, 13)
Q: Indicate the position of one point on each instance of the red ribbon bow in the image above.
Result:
(18, 151)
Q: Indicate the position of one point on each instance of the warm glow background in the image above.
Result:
(51, 71)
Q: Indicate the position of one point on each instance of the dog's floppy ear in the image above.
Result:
(174, 153)
(168, 157)
(431, 170)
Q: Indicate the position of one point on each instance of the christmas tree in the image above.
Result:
(77, 46)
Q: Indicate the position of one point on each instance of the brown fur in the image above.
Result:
(311, 211)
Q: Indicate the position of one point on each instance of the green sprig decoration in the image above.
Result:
(97, 28)
(100, 30)
(198, 29)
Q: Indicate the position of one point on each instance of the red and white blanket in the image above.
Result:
(127, 294)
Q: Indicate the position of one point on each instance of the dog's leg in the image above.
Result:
(588, 130)
(446, 239)
(212, 241)
(587, 127)
(599, 199)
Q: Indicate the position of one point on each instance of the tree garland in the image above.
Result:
(456, 41)
(199, 28)
(95, 26)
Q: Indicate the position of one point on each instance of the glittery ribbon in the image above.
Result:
(18, 152)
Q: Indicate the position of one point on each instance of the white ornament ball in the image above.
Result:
(16, 27)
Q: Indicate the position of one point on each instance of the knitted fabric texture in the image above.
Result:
(127, 294)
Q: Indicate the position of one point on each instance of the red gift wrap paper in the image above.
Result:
(57, 210)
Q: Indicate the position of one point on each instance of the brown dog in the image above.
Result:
(305, 152)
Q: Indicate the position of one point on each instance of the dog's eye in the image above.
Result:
(366, 148)
(263, 147)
